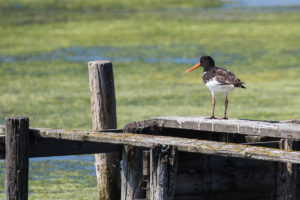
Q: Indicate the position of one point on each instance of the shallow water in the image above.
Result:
(259, 5)
(147, 54)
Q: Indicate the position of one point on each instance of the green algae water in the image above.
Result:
(66, 177)
(45, 47)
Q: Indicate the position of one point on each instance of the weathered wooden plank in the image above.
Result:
(58, 147)
(146, 172)
(104, 116)
(277, 129)
(132, 177)
(183, 144)
(132, 171)
(163, 172)
(286, 177)
(17, 160)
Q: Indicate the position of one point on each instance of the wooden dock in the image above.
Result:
(161, 134)
(103, 142)
(164, 158)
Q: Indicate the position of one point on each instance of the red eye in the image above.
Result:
(202, 59)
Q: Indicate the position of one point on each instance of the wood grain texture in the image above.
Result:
(132, 175)
(103, 104)
(132, 171)
(286, 175)
(183, 144)
(163, 172)
(146, 172)
(277, 129)
(17, 160)
(40, 147)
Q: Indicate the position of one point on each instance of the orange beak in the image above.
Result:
(192, 68)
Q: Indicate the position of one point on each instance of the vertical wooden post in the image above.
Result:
(146, 172)
(163, 165)
(286, 177)
(132, 173)
(104, 116)
(132, 170)
(17, 159)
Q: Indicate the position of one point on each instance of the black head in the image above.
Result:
(207, 61)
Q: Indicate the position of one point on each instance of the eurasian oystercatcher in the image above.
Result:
(217, 80)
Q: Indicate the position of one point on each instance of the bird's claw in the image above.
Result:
(212, 117)
(224, 117)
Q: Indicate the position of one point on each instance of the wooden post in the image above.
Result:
(17, 159)
(286, 177)
(132, 170)
(146, 172)
(104, 116)
(163, 172)
(132, 175)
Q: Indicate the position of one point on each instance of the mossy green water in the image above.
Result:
(159, 40)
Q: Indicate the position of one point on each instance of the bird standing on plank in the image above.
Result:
(217, 80)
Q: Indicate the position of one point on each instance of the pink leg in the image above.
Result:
(213, 110)
(226, 105)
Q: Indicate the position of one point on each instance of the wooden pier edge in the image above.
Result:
(17, 159)
(103, 103)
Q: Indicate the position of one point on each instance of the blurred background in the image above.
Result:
(45, 46)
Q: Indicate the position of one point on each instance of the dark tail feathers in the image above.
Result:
(241, 85)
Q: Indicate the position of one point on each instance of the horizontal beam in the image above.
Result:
(275, 129)
(183, 144)
(45, 147)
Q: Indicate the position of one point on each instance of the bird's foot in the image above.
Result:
(212, 117)
(224, 117)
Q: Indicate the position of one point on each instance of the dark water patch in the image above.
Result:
(177, 54)
(81, 158)
(294, 52)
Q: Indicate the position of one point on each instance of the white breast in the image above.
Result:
(215, 86)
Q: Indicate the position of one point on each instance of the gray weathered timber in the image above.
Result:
(17, 160)
(103, 103)
(132, 178)
(132, 171)
(163, 172)
(288, 130)
(286, 176)
(39, 147)
(146, 172)
(182, 144)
